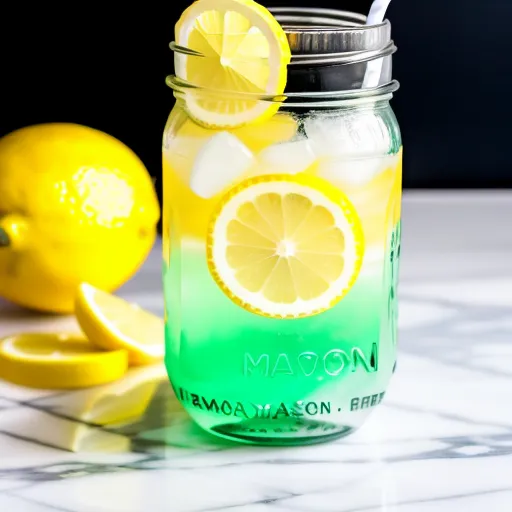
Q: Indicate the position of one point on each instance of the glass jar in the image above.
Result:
(280, 280)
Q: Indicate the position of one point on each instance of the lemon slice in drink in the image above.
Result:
(243, 49)
(285, 246)
(58, 361)
(113, 323)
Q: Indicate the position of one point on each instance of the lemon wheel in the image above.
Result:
(58, 361)
(285, 246)
(242, 50)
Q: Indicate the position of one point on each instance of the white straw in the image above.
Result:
(374, 68)
(377, 12)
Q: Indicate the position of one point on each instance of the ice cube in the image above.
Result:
(348, 135)
(221, 160)
(288, 157)
(181, 153)
(356, 172)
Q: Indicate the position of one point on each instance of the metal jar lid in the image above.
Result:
(328, 35)
(334, 53)
(333, 50)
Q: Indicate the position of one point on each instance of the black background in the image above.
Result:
(105, 66)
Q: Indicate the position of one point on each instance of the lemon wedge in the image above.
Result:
(58, 361)
(113, 323)
(239, 48)
(285, 246)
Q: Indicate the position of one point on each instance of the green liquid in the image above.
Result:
(272, 381)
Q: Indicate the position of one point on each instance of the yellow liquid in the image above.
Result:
(192, 213)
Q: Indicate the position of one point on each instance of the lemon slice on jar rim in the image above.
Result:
(58, 361)
(285, 246)
(241, 48)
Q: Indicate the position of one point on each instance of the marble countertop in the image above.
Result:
(441, 441)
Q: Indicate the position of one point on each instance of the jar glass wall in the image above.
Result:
(281, 256)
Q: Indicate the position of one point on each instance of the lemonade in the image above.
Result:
(281, 240)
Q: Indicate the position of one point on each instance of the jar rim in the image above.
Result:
(349, 60)
(322, 35)
(383, 92)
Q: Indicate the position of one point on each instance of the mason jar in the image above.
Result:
(282, 241)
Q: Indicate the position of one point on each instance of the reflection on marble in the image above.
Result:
(440, 442)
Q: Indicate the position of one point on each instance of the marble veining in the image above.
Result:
(440, 442)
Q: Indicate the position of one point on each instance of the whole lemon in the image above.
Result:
(76, 205)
